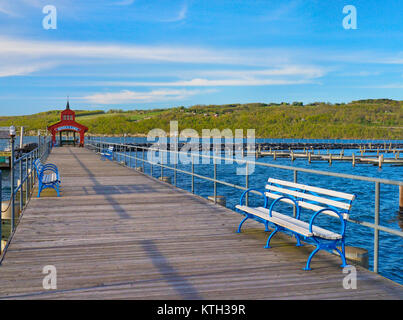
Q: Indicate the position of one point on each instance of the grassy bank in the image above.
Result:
(364, 119)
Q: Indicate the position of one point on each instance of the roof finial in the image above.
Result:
(68, 105)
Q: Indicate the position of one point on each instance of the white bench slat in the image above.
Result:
(328, 192)
(305, 205)
(298, 226)
(307, 196)
(49, 178)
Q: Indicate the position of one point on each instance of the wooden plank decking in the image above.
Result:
(118, 234)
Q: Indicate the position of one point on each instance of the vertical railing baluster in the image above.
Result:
(294, 210)
(135, 157)
(12, 204)
(26, 180)
(246, 184)
(151, 163)
(161, 161)
(21, 186)
(376, 230)
(175, 173)
(193, 177)
(215, 178)
(143, 161)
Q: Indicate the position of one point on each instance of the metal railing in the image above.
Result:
(98, 146)
(20, 192)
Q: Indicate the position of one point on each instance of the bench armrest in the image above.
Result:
(252, 189)
(340, 215)
(284, 197)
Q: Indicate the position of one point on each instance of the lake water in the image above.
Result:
(390, 246)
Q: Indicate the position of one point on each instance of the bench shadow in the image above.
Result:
(123, 214)
(179, 283)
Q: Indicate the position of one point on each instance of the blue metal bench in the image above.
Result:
(107, 153)
(48, 176)
(333, 203)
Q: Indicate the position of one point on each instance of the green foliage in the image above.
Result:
(364, 119)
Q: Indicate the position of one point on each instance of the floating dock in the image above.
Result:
(116, 233)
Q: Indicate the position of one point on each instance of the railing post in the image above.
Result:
(143, 160)
(27, 180)
(130, 157)
(376, 230)
(246, 184)
(21, 187)
(135, 157)
(12, 197)
(193, 177)
(175, 173)
(161, 161)
(294, 211)
(151, 163)
(215, 178)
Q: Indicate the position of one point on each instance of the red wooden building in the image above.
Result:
(67, 128)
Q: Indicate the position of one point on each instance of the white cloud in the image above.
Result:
(127, 96)
(22, 69)
(199, 82)
(75, 50)
(287, 75)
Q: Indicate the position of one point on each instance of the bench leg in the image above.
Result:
(266, 227)
(240, 225)
(342, 256)
(307, 267)
(267, 246)
(57, 190)
(39, 190)
(299, 244)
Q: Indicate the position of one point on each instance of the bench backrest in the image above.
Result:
(309, 197)
(38, 165)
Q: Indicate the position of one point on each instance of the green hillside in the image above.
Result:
(364, 119)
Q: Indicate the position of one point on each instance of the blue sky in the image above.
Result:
(141, 54)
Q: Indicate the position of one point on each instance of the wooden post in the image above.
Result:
(401, 199)
(353, 159)
(330, 159)
(309, 157)
(380, 161)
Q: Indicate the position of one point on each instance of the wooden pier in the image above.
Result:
(116, 233)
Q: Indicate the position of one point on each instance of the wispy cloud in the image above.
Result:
(199, 82)
(287, 75)
(181, 15)
(72, 50)
(6, 9)
(23, 69)
(127, 96)
(124, 2)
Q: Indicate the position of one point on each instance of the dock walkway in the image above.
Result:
(118, 234)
